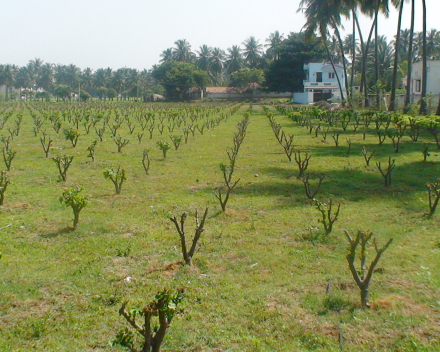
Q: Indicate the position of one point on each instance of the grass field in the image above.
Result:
(257, 282)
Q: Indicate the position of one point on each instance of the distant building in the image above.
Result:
(234, 93)
(433, 79)
(321, 83)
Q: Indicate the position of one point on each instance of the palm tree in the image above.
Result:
(252, 52)
(47, 77)
(24, 78)
(234, 59)
(182, 52)
(320, 15)
(396, 59)
(35, 66)
(134, 80)
(86, 78)
(100, 78)
(410, 59)
(216, 62)
(7, 77)
(166, 55)
(275, 39)
(423, 104)
(119, 80)
(203, 58)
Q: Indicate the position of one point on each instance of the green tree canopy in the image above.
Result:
(247, 78)
(286, 74)
(178, 78)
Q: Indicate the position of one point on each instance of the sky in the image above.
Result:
(133, 33)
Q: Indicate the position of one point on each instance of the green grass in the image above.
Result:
(256, 284)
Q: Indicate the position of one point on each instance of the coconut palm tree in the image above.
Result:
(86, 78)
(203, 58)
(182, 52)
(410, 59)
(234, 59)
(7, 77)
(275, 39)
(134, 81)
(252, 52)
(166, 55)
(396, 59)
(47, 77)
(320, 16)
(216, 63)
(119, 80)
(423, 104)
(100, 78)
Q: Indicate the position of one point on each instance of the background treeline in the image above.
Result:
(275, 64)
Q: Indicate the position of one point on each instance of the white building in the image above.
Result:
(321, 83)
(433, 79)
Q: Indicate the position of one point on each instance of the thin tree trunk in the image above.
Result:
(410, 59)
(376, 55)
(396, 60)
(353, 56)
(334, 70)
(341, 45)
(364, 65)
(423, 104)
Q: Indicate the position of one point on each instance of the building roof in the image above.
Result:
(330, 67)
(220, 90)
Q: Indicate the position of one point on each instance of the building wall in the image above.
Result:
(326, 69)
(433, 83)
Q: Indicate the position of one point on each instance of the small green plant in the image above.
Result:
(91, 150)
(164, 146)
(117, 176)
(120, 143)
(176, 141)
(228, 170)
(433, 196)
(46, 143)
(180, 227)
(302, 161)
(74, 198)
(308, 188)
(327, 218)
(366, 156)
(71, 135)
(426, 152)
(4, 182)
(146, 160)
(8, 156)
(164, 306)
(63, 163)
(386, 173)
(363, 276)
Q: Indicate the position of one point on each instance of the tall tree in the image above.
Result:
(252, 52)
(234, 59)
(216, 63)
(7, 77)
(393, 105)
(410, 59)
(204, 57)
(423, 103)
(182, 51)
(275, 39)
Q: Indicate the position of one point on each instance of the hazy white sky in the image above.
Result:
(133, 33)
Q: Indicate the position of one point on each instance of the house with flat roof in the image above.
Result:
(321, 83)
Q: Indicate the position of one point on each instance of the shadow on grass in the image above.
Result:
(353, 184)
(63, 231)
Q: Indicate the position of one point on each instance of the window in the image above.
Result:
(418, 85)
(331, 75)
